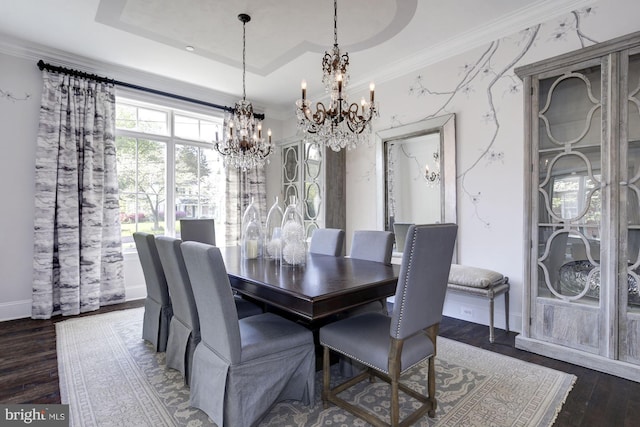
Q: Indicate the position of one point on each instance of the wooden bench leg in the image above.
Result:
(491, 336)
(506, 310)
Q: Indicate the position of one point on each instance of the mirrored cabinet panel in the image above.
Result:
(308, 170)
(582, 142)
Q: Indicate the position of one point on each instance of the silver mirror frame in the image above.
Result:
(446, 126)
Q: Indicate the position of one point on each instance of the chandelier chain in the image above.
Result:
(244, 55)
(243, 145)
(335, 23)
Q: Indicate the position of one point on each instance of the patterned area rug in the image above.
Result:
(109, 376)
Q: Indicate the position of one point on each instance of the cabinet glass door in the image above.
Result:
(290, 172)
(569, 208)
(313, 193)
(570, 186)
(630, 213)
(303, 177)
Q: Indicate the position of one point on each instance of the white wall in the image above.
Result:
(19, 129)
(490, 182)
(490, 149)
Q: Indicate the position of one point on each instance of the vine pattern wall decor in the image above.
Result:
(10, 96)
(486, 67)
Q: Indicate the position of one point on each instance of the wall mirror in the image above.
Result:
(416, 165)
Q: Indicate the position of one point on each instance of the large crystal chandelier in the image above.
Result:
(243, 145)
(339, 124)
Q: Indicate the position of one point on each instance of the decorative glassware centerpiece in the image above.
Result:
(252, 236)
(294, 249)
(273, 232)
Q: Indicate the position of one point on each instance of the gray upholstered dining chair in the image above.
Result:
(372, 245)
(198, 230)
(327, 241)
(184, 329)
(368, 245)
(400, 230)
(157, 304)
(242, 366)
(389, 346)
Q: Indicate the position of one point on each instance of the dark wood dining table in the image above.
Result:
(323, 286)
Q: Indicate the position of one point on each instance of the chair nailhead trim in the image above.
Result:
(406, 279)
(351, 356)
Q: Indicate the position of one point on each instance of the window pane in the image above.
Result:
(209, 130)
(141, 185)
(187, 188)
(186, 127)
(200, 187)
(152, 121)
(126, 149)
(127, 221)
(196, 129)
(126, 116)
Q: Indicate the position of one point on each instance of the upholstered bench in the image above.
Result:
(481, 282)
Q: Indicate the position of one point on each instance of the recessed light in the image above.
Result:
(190, 48)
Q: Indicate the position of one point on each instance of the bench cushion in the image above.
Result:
(473, 277)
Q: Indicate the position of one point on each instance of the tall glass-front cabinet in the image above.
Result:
(315, 176)
(582, 231)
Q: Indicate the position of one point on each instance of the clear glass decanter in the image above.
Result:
(252, 235)
(273, 232)
(294, 248)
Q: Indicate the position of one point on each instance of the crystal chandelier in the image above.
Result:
(339, 124)
(243, 145)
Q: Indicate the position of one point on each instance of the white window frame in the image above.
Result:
(171, 107)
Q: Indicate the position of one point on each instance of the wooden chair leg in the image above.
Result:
(432, 333)
(431, 386)
(326, 377)
(394, 374)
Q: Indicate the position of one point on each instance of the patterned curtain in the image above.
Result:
(77, 261)
(240, 188)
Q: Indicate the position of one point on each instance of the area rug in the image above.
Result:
(110, 377)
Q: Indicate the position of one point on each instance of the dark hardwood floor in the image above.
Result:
(29, 370)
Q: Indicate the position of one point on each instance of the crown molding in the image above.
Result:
(33, 52)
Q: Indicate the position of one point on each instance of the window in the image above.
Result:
(572, 195)
(166, 159)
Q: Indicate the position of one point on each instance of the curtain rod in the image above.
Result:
(57, 69)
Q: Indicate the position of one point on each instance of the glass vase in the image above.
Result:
(273, 232)
(252, 234)
(294, 248)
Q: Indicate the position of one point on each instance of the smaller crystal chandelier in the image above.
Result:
(433, 177)
(339, 124)
(243, 145)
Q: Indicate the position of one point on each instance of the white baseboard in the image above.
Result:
(15, 310)
(21, 309)
(135, 292)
